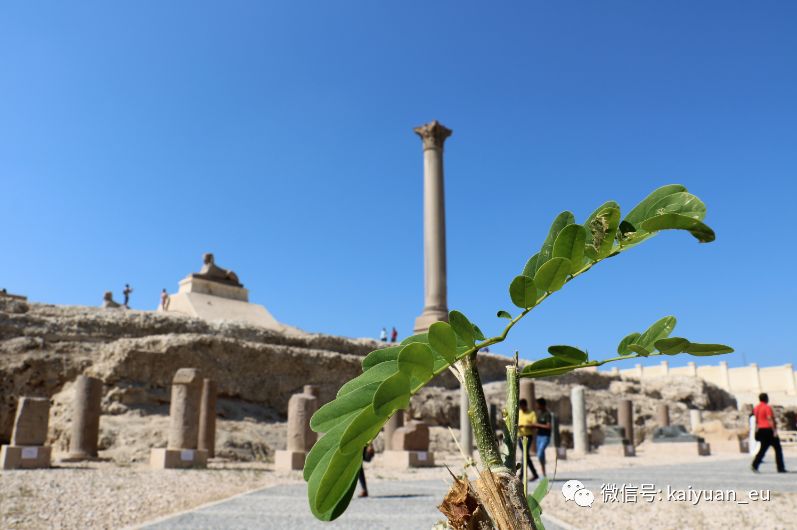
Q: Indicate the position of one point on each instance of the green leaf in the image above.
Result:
(622, 348)
(393, 394)
(343, 408)
(551, 276)
(420, 337)
(682, 203)
(639, 350)
(674, 221)
(341, 506)
(380, 372)
(328, 442)
(336, 480)
(462, 327)
(541, 490)
(366, 425)
(523, 292)
(504, 314)
(379, 356)
(672, 346)
(570, 244)
(568, 354)
(531, 266)
(704, 350)
(546, 251)
(478, 333)
(601, 230)
(660, 329)
(416, 359)
(644, 209)
(443, 340)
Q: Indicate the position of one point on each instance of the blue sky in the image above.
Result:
(136, 136)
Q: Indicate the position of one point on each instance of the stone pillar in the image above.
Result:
(434, 226)
(86, 411)
(207, 418)
(494, 416)
(625, 418)
(301, 437)
(580, 436)
(465, 429)
(27, 449)
(692, 368)
(410, 447)
(725, 378)
(663, 415)
(395, 421)
(694, 419)
(791, 383)
(184, 411)
(527, 392)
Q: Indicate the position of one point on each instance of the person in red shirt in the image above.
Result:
(766, 433)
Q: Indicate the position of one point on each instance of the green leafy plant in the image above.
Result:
(392, 375)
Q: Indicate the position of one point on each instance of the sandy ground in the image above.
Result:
(106, 495)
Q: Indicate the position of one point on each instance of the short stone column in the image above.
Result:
(580, 436)
(301, 438)
(410, 447)
(526, 392)
(395, 421)
(695, 419)
(465, 429)
(27, 449)
(182, 448)
(207, 418)
(625, 418)
(663, 415)
(86, 411)
(435, 306)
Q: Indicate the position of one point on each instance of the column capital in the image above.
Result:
(434, 134)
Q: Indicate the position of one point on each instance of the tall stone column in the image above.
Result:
(395, 421)
(86, 411)
(580, 436)
(207, 418)
(435, 306)
(663, 415)
(625, 417)
(465, 429)
(182, 449)
(301, 437)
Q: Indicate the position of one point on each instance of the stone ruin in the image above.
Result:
(27, 449)
(301, 438)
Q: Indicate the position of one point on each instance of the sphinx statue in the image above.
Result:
(212, 272)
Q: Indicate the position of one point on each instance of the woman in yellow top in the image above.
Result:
(527, 418)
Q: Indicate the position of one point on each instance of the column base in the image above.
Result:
(178, 458)
(617, 450)
(80, 457)
(407, 459)
(429, 317)
(25, 457)
(561, 453)
(289, 460)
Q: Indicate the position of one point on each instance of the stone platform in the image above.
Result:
(406, 459)
(178, 458)
(25, 457)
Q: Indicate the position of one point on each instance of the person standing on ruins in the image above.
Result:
(766, 432)
(526, 421)
(393, 335)
(126, 294)
(383, 335)
(164, 299)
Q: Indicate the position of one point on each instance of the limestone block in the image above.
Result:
(413, 436)
(178, 458)
(30, 423)
(25, 457)
(289, 460)
(407, 459)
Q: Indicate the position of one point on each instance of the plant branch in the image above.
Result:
(483, 431)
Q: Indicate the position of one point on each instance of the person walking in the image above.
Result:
(526, 420)
(126, 293)
(368, 455)
(543, 424)
(393, 335)
(766, 433)
(164, 299)
(383, 335)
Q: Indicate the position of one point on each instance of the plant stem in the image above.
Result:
(483, 431)
(511, 422)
